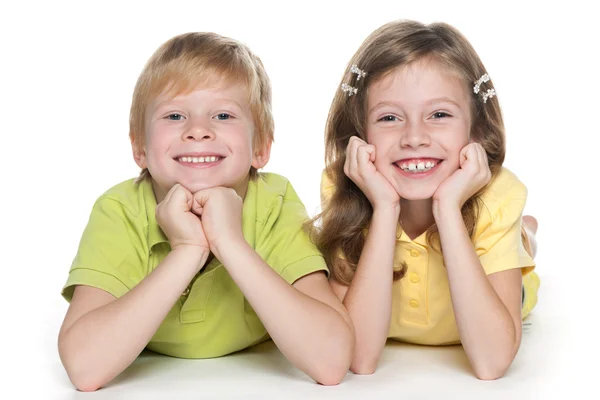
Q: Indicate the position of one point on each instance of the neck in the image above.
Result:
(416, 216)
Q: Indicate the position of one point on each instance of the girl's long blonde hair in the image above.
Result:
(347, 213)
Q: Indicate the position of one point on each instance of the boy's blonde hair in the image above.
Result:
(195, 59)
(393, 45)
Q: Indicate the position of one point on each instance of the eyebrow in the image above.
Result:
(436, 100)
(170, 101)
(443, 99)
(381, 105)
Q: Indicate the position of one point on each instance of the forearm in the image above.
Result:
(315, 337)
(105, 341)
(487, 330)
(369, 297)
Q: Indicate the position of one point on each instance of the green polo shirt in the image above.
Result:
(122, 243)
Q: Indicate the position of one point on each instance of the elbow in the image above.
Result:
(331, 377)
(79, 374)
(365, 361)
(489, 374)
(86, 385)
(332, 370)
(492, 369)
(363, 367)
(84, 382)
(494, 365)
(331, 373)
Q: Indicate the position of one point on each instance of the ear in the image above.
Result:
(139, 154)
(262, 155)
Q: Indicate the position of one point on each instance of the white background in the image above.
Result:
(67, 73)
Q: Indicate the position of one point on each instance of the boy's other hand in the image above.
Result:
(220, 210)
(175, 217)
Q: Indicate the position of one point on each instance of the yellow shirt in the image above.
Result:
(122, 243)
(421, 307)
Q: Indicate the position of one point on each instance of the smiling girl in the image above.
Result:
(422, 225)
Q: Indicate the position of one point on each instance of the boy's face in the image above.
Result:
(200, 140)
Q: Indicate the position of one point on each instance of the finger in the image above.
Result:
(363, 159)
(351, 154)
(201, 197)
(484, 156)
(483, 163)
(170, 192)
(464, 155)
(181, 196)
(197, 209)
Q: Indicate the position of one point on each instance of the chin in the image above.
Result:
(198, 186)
(417, 194)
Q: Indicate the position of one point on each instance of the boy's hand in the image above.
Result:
(360, 168)
(220, 210)
(175, 217)
(473, 174)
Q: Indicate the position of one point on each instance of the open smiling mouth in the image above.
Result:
(418, 166)
(200, 161)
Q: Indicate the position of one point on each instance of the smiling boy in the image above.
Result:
(201, 255)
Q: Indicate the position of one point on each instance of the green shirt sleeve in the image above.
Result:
(111, 254)
(282, 241)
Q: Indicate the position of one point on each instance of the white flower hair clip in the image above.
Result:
(351, 89)
(355, 70)
(488, 93)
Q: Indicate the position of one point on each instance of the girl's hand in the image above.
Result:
(360, 169)
(175, 217)
(473, 174)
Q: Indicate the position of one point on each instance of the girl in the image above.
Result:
(421, 224)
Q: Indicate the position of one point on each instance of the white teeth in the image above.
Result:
(418, 167)
(199, 159)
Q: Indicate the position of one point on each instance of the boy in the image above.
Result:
(201, 256)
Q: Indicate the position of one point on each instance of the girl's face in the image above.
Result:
(418, 119)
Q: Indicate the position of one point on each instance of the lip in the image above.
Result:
(417, 159)
(200, 154)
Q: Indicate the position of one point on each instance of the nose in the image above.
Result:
(198, 130)
(415, 135)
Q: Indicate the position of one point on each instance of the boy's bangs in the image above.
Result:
(183, 78)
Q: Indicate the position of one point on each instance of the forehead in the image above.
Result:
(417, 83)
(204, 93)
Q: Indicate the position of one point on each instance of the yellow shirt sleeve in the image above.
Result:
(327, 188)
(498, 241)
(111, 253)
(283, 242)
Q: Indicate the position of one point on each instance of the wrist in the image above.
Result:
(193, 253)
(387, 211)
(225, 247)
(444, 211)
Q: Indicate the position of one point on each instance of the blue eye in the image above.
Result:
(175, 117)
(223, 116)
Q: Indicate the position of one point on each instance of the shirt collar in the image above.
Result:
(155, 233)
(401, 236)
